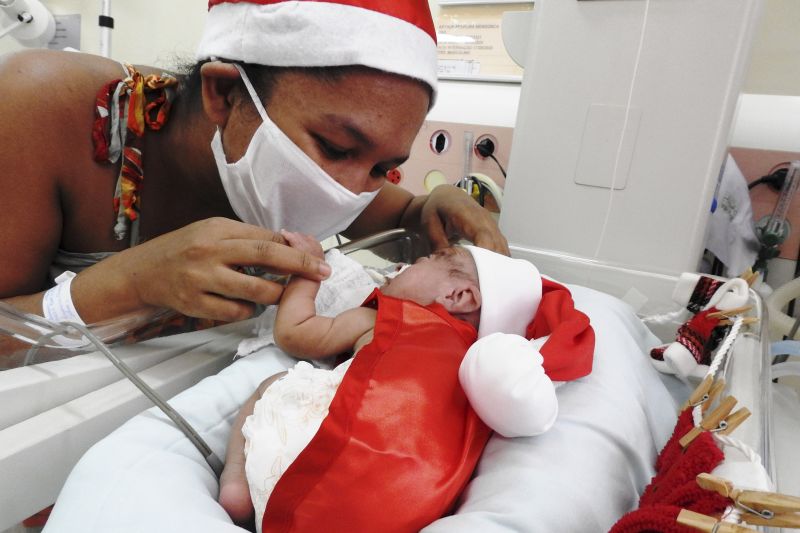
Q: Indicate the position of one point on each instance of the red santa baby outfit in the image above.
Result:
(402, 438)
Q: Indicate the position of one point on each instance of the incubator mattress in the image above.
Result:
(580, 476)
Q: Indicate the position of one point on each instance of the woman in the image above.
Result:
(354, 82)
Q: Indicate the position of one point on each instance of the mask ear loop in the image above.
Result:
(253, 93)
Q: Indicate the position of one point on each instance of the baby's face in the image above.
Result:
(428, 278)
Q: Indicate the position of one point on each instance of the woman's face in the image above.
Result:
(357, 127)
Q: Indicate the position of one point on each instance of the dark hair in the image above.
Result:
(263, 78)
(459, 262)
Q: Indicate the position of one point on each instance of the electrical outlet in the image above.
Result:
(483, 137)
(437, 155)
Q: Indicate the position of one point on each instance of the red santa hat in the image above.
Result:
(389, 35)
(517, 300)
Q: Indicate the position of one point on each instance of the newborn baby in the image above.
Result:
(471, 291)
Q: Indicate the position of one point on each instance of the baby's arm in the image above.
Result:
(298, 329)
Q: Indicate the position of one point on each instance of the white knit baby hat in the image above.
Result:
(396, 36)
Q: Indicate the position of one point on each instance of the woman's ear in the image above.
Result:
(219, 80)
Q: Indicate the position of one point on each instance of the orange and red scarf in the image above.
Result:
(125, 108)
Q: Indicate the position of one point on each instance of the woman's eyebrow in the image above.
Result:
(350, 128)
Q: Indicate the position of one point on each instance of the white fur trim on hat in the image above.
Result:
(318, 34)
(511, 290)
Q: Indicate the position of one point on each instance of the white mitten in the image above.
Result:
(503, 378)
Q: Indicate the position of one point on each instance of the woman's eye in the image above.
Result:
(332, 152)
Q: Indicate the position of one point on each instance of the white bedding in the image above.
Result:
(580, 476)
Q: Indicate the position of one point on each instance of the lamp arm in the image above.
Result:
(22, 18)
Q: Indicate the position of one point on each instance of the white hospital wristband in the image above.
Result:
(57, 303)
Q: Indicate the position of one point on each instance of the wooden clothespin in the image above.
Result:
(749, 276)
(700, 394)
(730, 312)
(718, 420)
(705, 393)
(715, 391)
(709, 524)
(759, 508)
(745, 321)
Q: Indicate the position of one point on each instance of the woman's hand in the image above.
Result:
(196, 269)
(449, 212)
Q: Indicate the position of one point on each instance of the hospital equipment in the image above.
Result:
(28, 21)
(773, 230)
(79, 336)
(106, 22)
(780, 323)
(626, 110)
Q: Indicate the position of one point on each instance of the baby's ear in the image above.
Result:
(461, 299)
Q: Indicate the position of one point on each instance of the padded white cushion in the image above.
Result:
(581, 475)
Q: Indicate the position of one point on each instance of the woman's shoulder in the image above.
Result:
(50, 79)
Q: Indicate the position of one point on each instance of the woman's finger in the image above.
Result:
(436, 233)
(215, 307)
(275, 257)
(491, 240)
(236, 285)
(219, 228)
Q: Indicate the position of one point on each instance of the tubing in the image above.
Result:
(780, 323)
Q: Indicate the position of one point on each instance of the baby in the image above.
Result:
(280, 420)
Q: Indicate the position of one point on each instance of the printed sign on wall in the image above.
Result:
(471, 43)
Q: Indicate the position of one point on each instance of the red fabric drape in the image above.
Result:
(400, 440)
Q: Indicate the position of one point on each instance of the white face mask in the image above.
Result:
(277, 186)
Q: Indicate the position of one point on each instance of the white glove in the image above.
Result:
(503, 378)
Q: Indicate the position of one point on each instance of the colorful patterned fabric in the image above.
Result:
(124, 109)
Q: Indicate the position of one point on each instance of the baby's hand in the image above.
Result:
(303, 242)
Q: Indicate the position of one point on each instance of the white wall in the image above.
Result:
(774, 70)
